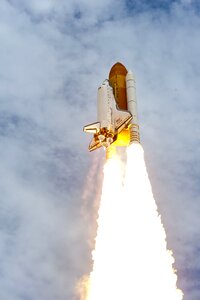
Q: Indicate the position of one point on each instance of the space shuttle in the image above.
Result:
(117, 121)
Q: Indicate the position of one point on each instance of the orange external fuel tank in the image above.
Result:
(117, 80)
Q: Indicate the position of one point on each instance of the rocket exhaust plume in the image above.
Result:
(130, 260)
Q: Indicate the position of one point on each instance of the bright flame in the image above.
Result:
(131, 260)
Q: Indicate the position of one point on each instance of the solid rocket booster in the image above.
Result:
(117, 121)
(132, 107)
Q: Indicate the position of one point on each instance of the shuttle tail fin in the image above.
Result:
(92, 128)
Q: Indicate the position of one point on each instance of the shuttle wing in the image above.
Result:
(121, 119)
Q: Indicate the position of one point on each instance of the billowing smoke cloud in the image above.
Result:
(53, 57)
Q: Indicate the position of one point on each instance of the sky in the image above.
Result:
(53, 57)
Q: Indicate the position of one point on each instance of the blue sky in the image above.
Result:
(53, 56)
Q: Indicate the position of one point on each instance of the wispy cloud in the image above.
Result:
(52, 59)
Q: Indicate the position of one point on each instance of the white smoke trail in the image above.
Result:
(131, 260)
(148, 260)
(103, 278)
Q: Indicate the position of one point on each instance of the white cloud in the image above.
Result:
(52, 59)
